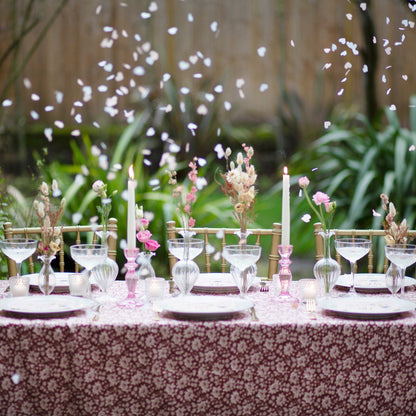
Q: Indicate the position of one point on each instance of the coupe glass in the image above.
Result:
(402, 256)
(242, 257)
(18, 249)
(352, 249)
(89, 255)
(182, 248)
(185, 271)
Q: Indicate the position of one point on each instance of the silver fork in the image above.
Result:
(263, 287)
(311, 308)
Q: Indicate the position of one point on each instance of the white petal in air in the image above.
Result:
(261, 51)
(306, 218)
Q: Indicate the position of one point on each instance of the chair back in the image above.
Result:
(75, 234)
(375, 236)
(209, 235)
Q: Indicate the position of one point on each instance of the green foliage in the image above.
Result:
(358, 161)
(3, 219)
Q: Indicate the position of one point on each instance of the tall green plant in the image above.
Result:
(358, 160)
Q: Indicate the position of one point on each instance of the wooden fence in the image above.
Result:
(222, 40)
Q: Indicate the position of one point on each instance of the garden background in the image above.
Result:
(322, 86)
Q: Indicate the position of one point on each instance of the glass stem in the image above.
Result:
(401, 280)
(18, 269)
(352, 287)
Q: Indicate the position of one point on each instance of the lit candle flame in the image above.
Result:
(131, 172)
(285, 170)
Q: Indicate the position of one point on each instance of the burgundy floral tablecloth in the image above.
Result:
(124, 362)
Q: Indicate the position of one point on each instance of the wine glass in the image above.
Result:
(352, 249)
(402, 256)
(89, 255)
(185, 271)
(18, 249)
(242, 257)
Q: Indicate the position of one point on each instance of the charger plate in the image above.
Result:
(45, 306)
(369, 282)
(218, 283)
(367, 307)
(204, 307)
(62, 282)
(215, 283)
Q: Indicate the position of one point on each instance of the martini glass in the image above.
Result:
(185, 271)
(352, 249)
(89, 255)
(402, 256)
(242, 257)
(18, 249)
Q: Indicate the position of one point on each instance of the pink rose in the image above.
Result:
(320, 198)
(144, 236)
(304, 182)
(187, 209)
(144, 222)
(151, 245)
(191, 222)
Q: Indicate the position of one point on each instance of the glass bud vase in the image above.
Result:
(246, 279)
(46, 277)
(326, 270)
(145, 269)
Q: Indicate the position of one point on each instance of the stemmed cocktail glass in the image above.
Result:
(242, 257)
(18, 249)
(89, 255)
(352, 249)
(185, 272)
(402, 256)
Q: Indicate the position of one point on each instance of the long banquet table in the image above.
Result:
(125, 362)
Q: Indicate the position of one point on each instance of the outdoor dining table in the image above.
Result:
(128, 361)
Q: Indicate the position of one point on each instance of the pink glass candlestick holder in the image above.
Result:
(131, 278)
(285, 275)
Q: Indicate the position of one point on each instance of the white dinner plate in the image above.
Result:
(205, 307)
(45, 306)
(62, 282)
(367, 307)
(369, 282)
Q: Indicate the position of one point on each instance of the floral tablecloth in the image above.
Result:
(124, 362)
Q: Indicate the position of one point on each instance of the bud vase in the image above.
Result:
(326, 270)
(145, 269)
(245, 279)
(46, 277)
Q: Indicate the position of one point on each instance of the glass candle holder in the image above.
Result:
(19, 285)
(309, 288)
(79, 284)
(154, 288)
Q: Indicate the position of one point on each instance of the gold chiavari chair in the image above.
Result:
(375, 236)
(224, 235)
(75, 234)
